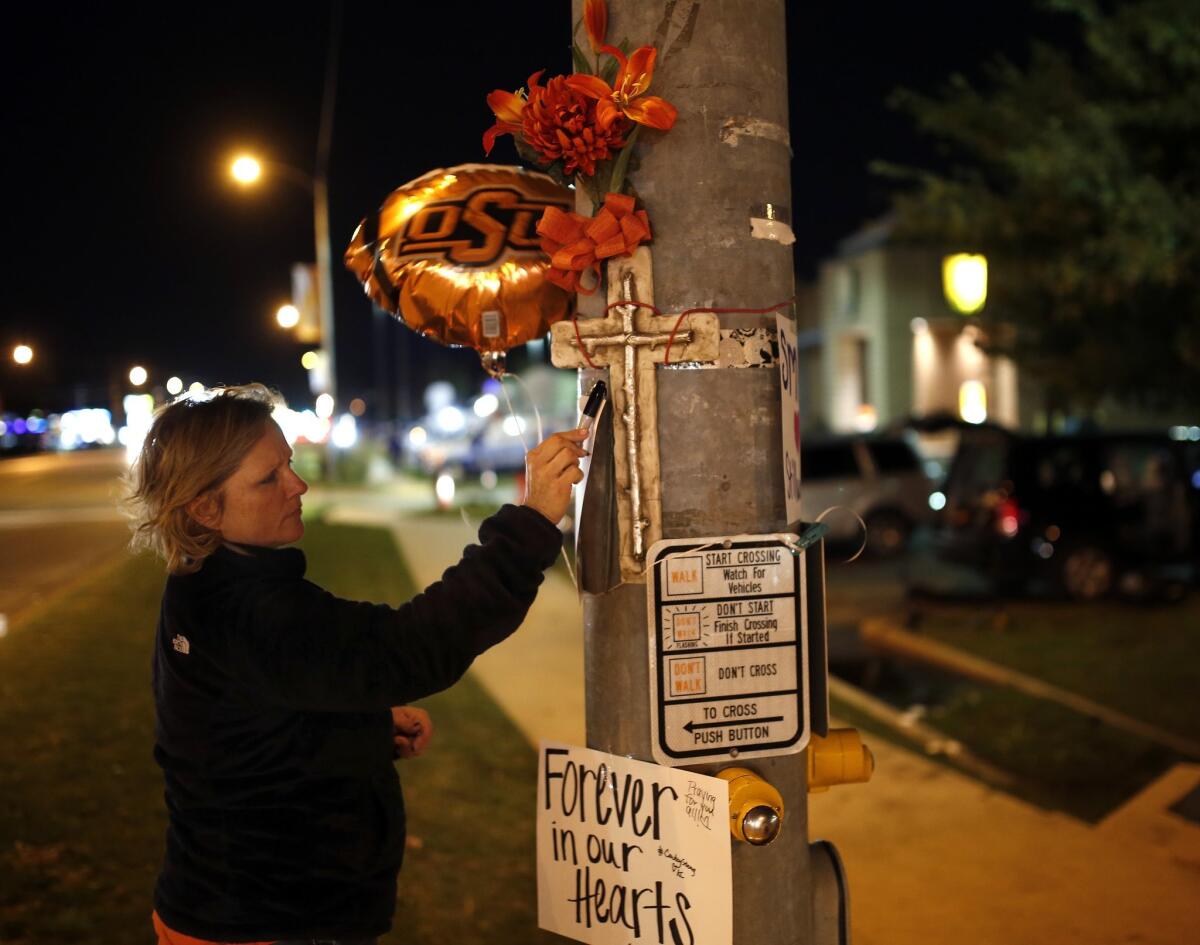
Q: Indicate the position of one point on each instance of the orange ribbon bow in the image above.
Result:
(576, 244)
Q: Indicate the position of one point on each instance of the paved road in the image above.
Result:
(58, 520)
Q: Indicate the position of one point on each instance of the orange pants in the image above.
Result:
(168, 937)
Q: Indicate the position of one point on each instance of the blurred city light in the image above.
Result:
(288, 422)
(139, 411)
(288, 316)
(972, 401)
(358, 406)
(22, 354)
(450, 419)
(438, 395)
(514, 426)
(417, 437)
(195, 388)
(87, 427)
(444, 490)
(345, 432)
(245, 169)
(937, 501)
(309, 360)
(488, 479)
(865, 418)
(312, 428)
(137, 375)
(324, 406)
(486, 405)
(964, 280)
(174, 386)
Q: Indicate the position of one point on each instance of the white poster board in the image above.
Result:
(789, 408)
(630, 852)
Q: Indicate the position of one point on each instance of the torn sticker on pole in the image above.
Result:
(772, 221)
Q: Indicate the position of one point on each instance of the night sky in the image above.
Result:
(127, 243)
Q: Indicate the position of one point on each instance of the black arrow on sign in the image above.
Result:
(692, 726)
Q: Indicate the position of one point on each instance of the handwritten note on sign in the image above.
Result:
(789, 407)
(630, 852)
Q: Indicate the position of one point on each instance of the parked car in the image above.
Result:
(1082, 516)
(879, 479)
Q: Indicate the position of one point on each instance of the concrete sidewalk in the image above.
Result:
(932, 855)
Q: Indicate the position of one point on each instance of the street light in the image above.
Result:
(288, 316)
(137, 375)
(22, 354)
(245, 169)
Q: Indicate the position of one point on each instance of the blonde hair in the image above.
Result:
(193, 446)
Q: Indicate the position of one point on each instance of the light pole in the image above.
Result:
(248, 171)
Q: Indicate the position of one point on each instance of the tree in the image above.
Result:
(1078, 175)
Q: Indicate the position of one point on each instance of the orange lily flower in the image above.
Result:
(508, 108)
(595, 20)
(626, 97)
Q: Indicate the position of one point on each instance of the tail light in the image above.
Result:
(1008, 518)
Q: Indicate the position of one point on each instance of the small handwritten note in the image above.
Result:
(700, 804)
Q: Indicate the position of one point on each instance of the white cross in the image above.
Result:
(630, 344)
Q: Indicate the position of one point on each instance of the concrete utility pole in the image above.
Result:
(717, 188)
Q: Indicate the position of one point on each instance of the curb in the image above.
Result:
(884, 633)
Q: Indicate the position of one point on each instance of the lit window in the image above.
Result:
(972, 401)
(964, 280)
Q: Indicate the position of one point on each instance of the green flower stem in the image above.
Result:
(618, 175)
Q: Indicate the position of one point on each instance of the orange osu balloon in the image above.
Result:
(456, 255)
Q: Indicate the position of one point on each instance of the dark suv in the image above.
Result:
(1080, 515)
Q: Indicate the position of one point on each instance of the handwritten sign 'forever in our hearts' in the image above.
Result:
(630, 852)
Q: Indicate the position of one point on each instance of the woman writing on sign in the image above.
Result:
(280, 707)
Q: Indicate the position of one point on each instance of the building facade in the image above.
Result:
(883, 343)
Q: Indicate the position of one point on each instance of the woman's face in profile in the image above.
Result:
(262, 498)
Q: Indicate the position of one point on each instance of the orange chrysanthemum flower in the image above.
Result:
(560, 124)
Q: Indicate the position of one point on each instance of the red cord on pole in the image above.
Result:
(678, 322)
(719, 311)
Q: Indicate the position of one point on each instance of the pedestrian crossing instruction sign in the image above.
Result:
(729, 648)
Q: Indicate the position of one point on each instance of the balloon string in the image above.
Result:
(513, 414)
(863, 525)
(537, 416)
(678, 321)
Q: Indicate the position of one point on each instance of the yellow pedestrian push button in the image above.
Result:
(755, 807)
(839, 758)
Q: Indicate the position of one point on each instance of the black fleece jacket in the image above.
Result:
(275, 736)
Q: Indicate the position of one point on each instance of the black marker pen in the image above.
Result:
(595, 400)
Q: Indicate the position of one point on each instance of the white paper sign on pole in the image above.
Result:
(630, 852)
(789, 406)
(728, 648)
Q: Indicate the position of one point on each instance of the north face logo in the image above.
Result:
(181, 645)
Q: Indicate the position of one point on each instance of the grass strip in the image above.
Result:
(1137, 658)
